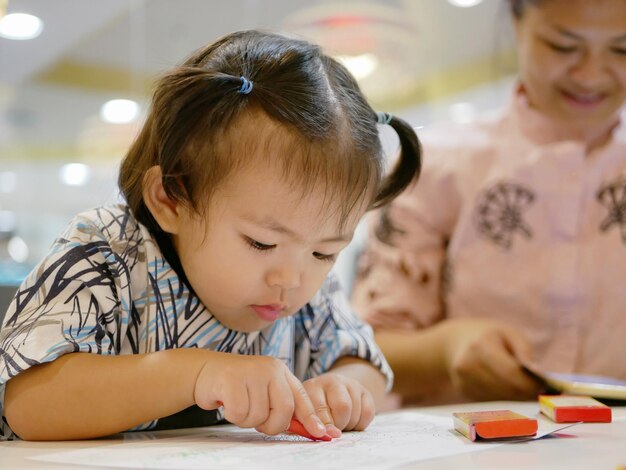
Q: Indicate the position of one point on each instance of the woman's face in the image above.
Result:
(572, 60)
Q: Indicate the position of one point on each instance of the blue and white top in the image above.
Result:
(106, 288)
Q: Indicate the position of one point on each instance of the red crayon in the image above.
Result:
(296, 427)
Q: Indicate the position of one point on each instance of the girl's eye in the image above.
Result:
(258, 245)
(323, 257)
(619, 50)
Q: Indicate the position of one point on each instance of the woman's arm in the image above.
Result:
(480, 358)
(417, 358)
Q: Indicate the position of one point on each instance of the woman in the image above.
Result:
(511, 250)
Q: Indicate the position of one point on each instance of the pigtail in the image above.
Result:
(406, 169)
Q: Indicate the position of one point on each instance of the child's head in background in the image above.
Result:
(258, 158)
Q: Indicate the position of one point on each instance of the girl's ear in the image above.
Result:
(164, 210)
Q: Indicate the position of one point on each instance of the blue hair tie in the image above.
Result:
(383, 118)
(246, 86)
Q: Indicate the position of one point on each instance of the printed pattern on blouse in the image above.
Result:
(499, 214)
(613, 197)
(105, 288)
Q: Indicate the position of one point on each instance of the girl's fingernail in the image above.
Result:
(333, 431)
(319, 425)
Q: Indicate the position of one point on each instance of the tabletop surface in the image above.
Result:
(582, 446)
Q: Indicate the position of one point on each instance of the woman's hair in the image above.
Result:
(253, 93)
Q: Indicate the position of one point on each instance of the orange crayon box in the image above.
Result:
(499, 424)
(574, 409)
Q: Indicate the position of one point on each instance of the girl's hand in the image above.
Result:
(256, 392)
(485, 361)
(341, 402)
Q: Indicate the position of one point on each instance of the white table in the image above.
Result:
(583, 446)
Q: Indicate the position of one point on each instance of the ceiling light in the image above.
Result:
(119, 111)
(464, 3)
(18, 249)
(361, 65)
(8, 181)
(75, 174)
(8, 222)
(20, 26)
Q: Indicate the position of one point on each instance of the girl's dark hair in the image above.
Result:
(201, 127)
(517, 6)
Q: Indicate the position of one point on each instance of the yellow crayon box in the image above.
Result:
(574, 409)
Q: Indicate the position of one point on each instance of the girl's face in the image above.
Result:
(263, 251)
(572, 60)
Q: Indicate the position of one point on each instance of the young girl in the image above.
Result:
(211, 287)
(512, 248)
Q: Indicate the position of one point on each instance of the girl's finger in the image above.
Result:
(355, 414)
(258, 408)
(304, 411)
(340, 404)
(368, 411)
(281, 408)
(236, 404)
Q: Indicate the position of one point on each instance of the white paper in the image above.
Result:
(391, 440)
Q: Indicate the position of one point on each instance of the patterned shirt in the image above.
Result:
(106, 288)
(510, 222)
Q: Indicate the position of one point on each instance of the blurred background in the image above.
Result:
(76, 77)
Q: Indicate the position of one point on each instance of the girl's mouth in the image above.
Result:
(269, 312)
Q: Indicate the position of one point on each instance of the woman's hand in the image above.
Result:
(484, 360)
(256, 392)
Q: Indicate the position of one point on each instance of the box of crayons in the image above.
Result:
(574, 409)
(500, 424)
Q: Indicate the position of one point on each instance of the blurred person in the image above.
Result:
(511, 249)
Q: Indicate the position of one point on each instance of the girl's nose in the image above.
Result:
(285, 277)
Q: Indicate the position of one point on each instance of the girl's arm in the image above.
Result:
(83, 396)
